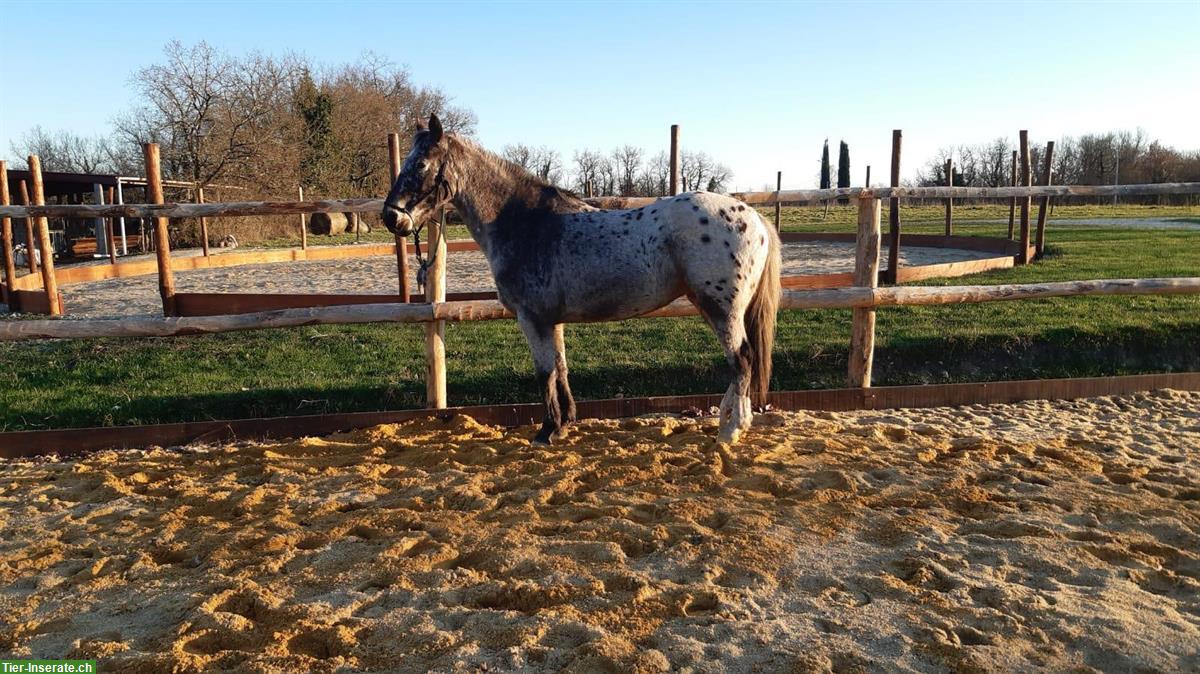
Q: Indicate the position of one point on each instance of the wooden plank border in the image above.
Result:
(65, 442)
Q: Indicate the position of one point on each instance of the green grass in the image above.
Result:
(372, 367)
(843, 218)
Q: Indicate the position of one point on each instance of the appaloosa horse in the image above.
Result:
(558, 260)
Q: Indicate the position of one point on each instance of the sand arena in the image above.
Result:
(1058, 536)
(466, 272)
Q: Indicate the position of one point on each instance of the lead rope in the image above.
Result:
(423, 264)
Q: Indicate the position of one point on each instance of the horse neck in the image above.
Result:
(488, 191)
(482, 185)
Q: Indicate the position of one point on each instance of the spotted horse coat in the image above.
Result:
(557, 260)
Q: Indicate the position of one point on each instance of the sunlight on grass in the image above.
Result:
(372, 367)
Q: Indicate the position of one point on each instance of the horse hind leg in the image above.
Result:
(564, 386)
(736, 412)
(541, 340)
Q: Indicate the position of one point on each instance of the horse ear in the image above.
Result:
(435, 128)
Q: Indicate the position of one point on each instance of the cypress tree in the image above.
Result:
(844, 168)
(825, 172)
(316, 108)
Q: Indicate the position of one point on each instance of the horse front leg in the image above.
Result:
(542, 347)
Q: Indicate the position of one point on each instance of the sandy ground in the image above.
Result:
(1037, 536)
(465, 272)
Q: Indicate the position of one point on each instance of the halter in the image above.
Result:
(423, 264)
(438, 182)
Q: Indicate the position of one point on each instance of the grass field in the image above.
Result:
(373, 367)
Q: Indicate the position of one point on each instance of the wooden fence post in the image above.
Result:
(778, 189)
(1012, 201)
(1026, 202)
(303, 224)
(162, 240)
(6, 240)
(435, 331)
(124, 236)
(30, 241)
(401, 242)
(866, 274)
(108, 228)
(203, 222)
(45, 245)
(894, 212)
(99, 227)
(1045, 203)
(949, 200)
(674, 160)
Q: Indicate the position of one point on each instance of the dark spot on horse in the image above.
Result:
(708, 283)
(735, 260)
(706, 238)
(653, 211)
(704, 221)
(741, 226)
(625, 233)
(639, 215)
(722, 214)
(695, 207)
(741, 207)
(727, 245)
(719, 288)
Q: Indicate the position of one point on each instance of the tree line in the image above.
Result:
(1122, 157)
(625, 171)
(269, 124)
(266, 124)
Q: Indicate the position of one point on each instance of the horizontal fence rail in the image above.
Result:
(484, 310)
(235, 208)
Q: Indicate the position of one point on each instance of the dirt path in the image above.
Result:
(1037, 536)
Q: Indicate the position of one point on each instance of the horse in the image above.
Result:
(556, 259)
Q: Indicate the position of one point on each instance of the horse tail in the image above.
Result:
(760, 319)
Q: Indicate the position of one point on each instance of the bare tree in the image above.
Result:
(587, 175)
(627, 160)
(654, 179)
(540, 161)
(65, 151)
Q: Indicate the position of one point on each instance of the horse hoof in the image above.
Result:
(560, 433)
(729, 435)
(727, 463)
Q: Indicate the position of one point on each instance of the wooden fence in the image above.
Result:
(863, 299)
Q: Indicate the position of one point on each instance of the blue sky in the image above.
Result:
(757, 85)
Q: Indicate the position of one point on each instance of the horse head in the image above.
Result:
(422, 185)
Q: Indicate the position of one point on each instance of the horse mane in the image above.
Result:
(538, 192)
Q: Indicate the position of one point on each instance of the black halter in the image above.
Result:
(438, 183)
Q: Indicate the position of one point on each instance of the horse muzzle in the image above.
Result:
(397, 221)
